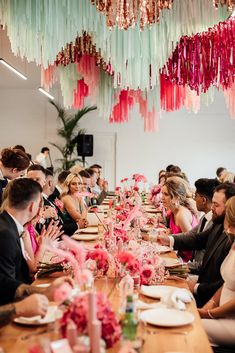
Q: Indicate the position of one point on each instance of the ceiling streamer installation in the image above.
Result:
(112, 51)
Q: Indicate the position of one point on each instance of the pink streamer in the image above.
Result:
(134, 212)
(78, 249)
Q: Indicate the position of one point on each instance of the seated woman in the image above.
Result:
(182, 216)
(35, 245)
(74, 207)
(219, 313)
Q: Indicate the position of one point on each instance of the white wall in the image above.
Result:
(197, 143)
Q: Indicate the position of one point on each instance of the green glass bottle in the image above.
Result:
(129, 324)
(143, 196)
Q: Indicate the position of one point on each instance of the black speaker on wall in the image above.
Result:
(85, 145)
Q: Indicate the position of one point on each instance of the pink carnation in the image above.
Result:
(78, 312)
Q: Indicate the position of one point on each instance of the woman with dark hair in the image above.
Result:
(218, 313)
(182, 216)
(13, 164)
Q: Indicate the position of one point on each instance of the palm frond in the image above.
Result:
(61, 149)
(61, 112)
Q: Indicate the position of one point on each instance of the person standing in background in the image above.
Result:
(41, 158)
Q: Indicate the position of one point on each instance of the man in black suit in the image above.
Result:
(58, 188)
(68, 226)
(23, 202)
(24, 198)
(214, 241)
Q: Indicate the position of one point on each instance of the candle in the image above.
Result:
(96, 335)
(92, 313)
(71, 333)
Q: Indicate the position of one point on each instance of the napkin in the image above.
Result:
(177, 299)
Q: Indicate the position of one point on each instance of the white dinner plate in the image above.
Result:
(88, 230)
(52, 314)
(85, 237)
(167, 317)
(170, 262)
(156, 292)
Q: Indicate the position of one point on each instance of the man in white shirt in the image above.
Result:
(42, 157)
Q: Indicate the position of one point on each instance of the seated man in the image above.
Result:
(59, 186)
(215, 242)
(23, 201)
(203, 197)
(45, 178)
(98, 198)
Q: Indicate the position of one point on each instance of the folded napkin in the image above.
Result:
(177, 298)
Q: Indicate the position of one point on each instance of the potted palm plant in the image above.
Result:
(69, 132)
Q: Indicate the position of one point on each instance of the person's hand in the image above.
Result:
(53, 230)
(49, 212)
(50, 291)
(191, 284)
(163, 239)
(82, 223)
(105, 185)
(203, 313)
(35, 304)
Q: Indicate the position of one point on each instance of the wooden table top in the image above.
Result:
(192, 338)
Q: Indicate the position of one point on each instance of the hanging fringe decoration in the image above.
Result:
(204, 60)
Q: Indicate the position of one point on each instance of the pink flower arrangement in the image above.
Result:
(100, 256)
(146, 273)
(128, 262)
(78, 312)
(139, 177)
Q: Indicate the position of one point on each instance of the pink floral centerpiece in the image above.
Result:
(101, 258)
(127, 262)
(78, 312)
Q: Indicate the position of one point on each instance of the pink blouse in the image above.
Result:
(32, 233)
(184, 254)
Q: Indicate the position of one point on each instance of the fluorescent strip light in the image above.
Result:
(46, 93)
(2, 61)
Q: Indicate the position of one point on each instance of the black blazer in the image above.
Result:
(69, 226)
(217, 245)
(13, 267)
(54, 195)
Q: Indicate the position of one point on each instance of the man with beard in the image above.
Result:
(215, 242)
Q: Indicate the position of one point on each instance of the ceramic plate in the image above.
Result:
(156, 292)
(85, 237)
(51, 316)
(88, 230)
(167, 317)
(170, 262)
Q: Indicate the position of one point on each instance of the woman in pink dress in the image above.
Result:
(183, 216)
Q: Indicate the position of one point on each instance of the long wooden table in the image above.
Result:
(188, 339)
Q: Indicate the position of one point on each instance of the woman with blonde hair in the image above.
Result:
(182, 217)
(219, 313)
(74, 207)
